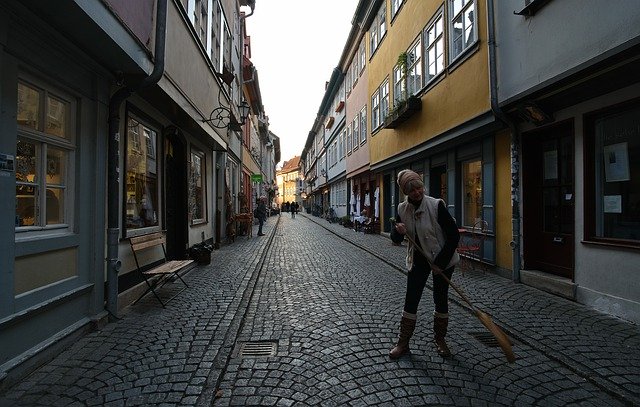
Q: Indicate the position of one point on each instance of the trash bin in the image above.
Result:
(201, 253)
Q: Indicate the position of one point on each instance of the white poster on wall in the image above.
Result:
(616, 162)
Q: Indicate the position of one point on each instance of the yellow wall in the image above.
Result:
(38, 270)
(461, 94)
(503, 200)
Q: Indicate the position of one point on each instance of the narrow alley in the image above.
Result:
(306, 316)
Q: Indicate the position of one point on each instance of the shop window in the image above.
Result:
(471, 192)
(612, 179)
(141, 177)
(197, 192)
(44, 151)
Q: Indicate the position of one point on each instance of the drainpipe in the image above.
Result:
(113, 170)
(515, 143)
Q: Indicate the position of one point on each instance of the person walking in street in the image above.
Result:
(262, 213)
(429, 224)
(293, 210)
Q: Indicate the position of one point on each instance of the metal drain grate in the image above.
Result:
(486, 338)
(257, 349)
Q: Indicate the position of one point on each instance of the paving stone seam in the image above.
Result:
(574, 366)
(225, 353)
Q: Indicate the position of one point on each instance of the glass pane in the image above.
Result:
(26, 161)
(551, 209)
(457, 6)
(56, 166)
(28, 106)
(57, 112)
(55, 206)
(141, 180)
(26, 205)
(457, 37)
(472, 192)
(469, 33)
(196, 187)
(566, 210)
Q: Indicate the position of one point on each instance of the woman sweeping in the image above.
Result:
(429, 224)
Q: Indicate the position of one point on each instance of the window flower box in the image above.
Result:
(402, 112)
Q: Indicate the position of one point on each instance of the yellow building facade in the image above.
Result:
(430, 110)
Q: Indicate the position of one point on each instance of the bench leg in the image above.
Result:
(150, 287)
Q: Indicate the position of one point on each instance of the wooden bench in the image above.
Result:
(165, 270)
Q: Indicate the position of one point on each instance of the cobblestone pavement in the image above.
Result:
(326, 302)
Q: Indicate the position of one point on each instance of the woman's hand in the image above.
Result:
(400, 228)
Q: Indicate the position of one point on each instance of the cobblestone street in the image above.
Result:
(325, 302)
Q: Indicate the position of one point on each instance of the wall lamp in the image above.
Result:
(220, 117)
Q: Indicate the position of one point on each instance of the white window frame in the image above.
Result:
(363, 124)
(465, 6)
(384, 100)
(395, 6)
(433, 41)
(375, 110)
(414, 68)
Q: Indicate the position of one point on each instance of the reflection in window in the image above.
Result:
(42, 173)
(414, 69)
(462, 27)
(141, 182)
(197, 197)
(617, 171)
(471, 192)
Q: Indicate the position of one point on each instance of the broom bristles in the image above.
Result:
(501, 337)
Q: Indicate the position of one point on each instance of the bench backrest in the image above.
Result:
(147, 241)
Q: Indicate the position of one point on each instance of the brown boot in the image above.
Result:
(440, 324)
(407, 325)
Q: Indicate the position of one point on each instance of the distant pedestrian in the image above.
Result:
(261, 212)
(293, 210)
(429, 224)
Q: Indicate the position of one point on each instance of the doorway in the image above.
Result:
(438, 182)
(175, 195)
(549, 199)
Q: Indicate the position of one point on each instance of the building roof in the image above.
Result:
(291, 165)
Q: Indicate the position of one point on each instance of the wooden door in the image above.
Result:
(548, 199)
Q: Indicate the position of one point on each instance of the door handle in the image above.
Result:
(558, 239)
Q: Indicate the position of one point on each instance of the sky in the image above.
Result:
(295, 45)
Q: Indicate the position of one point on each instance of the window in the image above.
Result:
(216, 37)
(462, 26)
(398, 85)
(471, 192)
(434, 49)
(378, 28)
(395, 6)
(44, 152)
(414, 69)
(141, 182)
(363, 125)
(375, 110)
(356, 131)
(362, 54)
(200, 14)
(349, 143)
(612, 175)
(384, 100)
(197, 187)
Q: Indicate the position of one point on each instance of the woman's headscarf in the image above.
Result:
(408, 180)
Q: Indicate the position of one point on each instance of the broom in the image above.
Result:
(486, 320)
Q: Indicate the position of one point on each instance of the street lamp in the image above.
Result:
(220, 117)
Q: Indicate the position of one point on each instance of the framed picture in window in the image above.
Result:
(616, 162)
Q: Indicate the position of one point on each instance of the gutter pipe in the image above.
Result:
(515, 143)
(113, 170)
